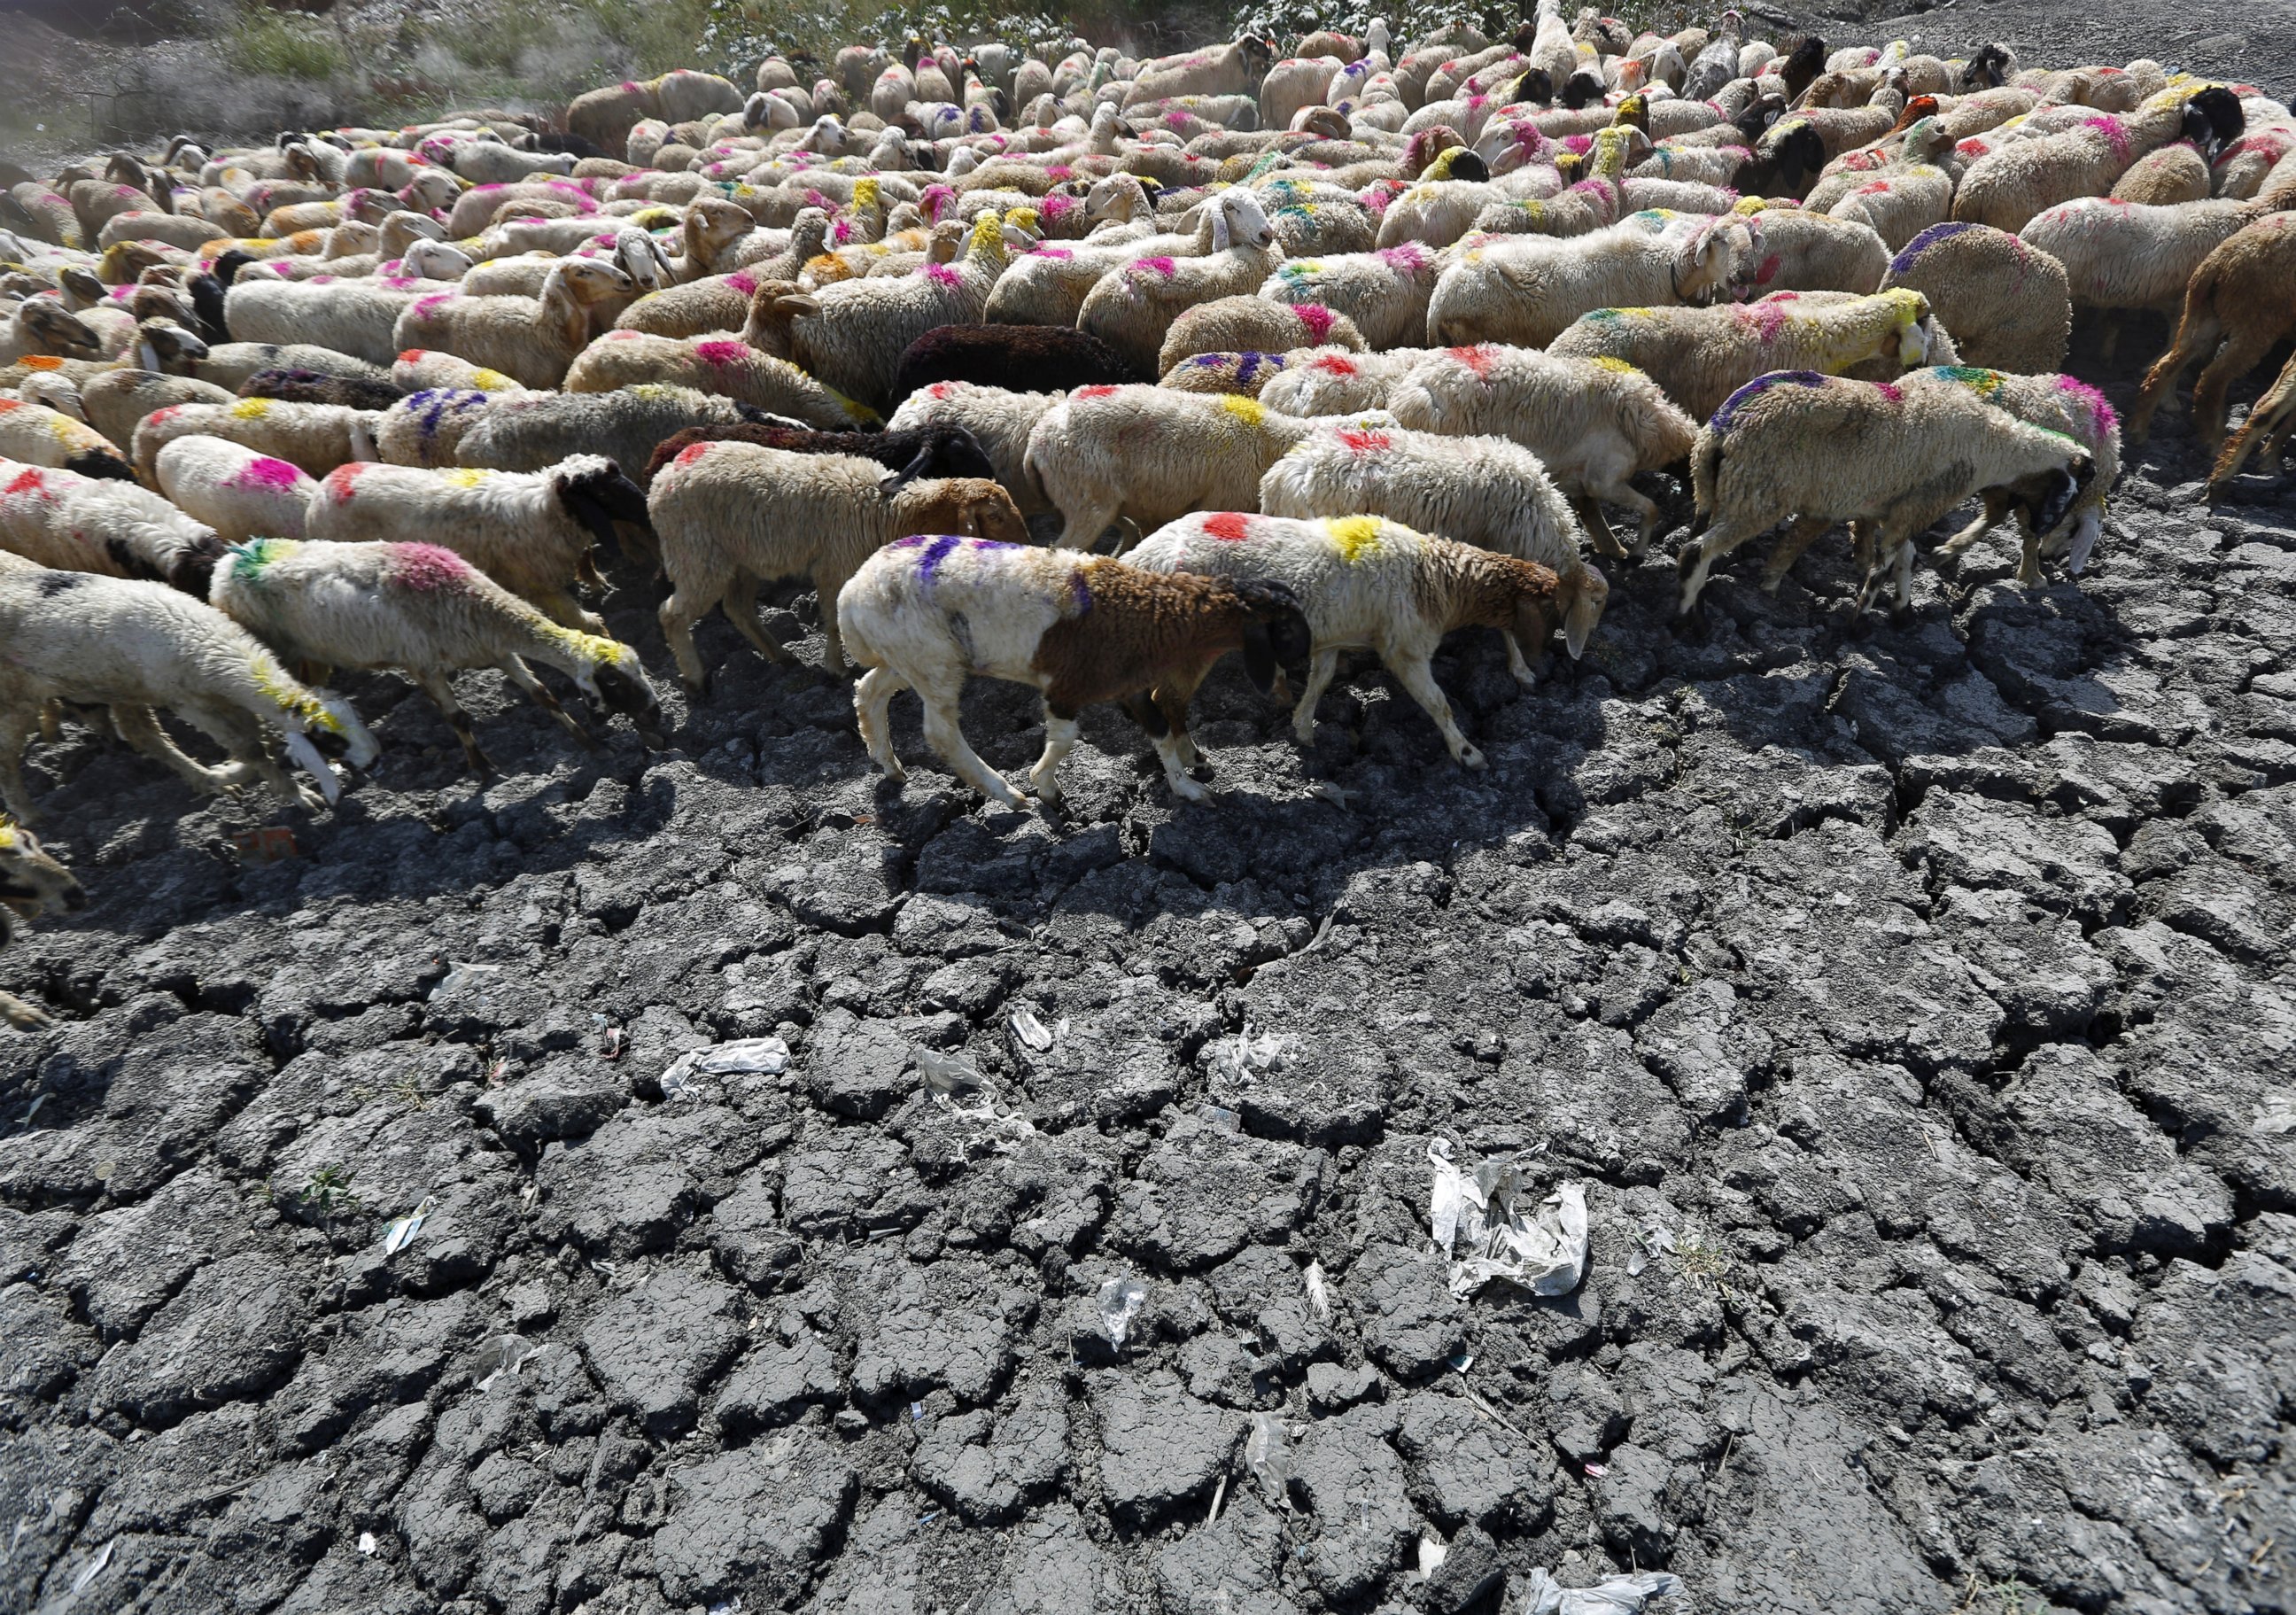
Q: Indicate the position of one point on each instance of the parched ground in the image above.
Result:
(1914, 1003)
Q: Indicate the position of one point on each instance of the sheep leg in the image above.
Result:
(16, 733)
(1081, 528)
(1696, 563)
(2194, 337)
(688, 603)
(523, 677)
(833, 643)
(1413, 673)
(1997, 505)
(1806, 531)
(946, 737)
(1321, 666)
(1060, 740)
(741, 612)
(1175, 748)
(433, 683)
(1522, 661)
(872, 698)
(2240, 353)
(139, 728)
(1590, 516)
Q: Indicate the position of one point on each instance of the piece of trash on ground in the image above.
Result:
(1240, 1061)
(1030, 1031)
(1219, 1118)
(366, 1542)
(1611, 1596)
(1431, 1555)
(1268, 1455)
(95, 1567)
(516, 1354)
(1542, 1248)
(946, 1074)
(272, 844)
(463, 975)
(743, 1057)
(1001, 1130)
(1319, 1299)
(402, 1231)
(1120, 1301)
(1648, 1243)
(1219, 1492)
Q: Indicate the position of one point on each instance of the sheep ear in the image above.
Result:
(1259, 657)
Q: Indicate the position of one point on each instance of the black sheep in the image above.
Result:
(923, 451)
(1019, 358)
(315, 387)
(1803, 65)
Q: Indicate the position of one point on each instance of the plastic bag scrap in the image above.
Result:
(1120, 1301)
(1647, 1243)
(1031, 1031)
(1319, 1299)
(1268, 1455)
(95, 1567)
(402, 1231)
(2276, 1114)
(945, 1076)
(1543, 1249)
(516, 1354)
(1239, 1062)
(1611, 1596)
(745, 1057)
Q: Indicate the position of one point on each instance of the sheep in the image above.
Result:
(907, 455)
(1384, 292)
(1242, 374)
(316, 437)
(927, 611)
(231, 364)
(288, 386)
(732, 515)
(1249, 321)
(2055, 403)
(1133, 308)
(2176, 173)
(427, 612)
(724, 365)
(116, 401)
(721, 302)
(2120, 255)
(1001, 420)
(1528, 290)
(64, 521)
(1794, 250)
(43, 326)
(1364, 583)
(352, 316)
(1824, 450)
(31, 884)
(421, 368)
(853, 336)
(2006, 188)
(1229, 69)
(231, 489)
(132, 646)
(1149, 455)
(1702, 355)
(31, 434)
(1594, 423)
(2266, 431)
(531, 532)
(426, 428)
(2008, 307)
(2236, 309)
(533, 431)
(1337, 383)
(1024, 358)
(1484, 491)
(532, 340)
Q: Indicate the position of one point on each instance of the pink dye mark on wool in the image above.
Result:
(1316, 318)
(1361, 443)
(1059, 171)
(1891, 391)
(941, 274)
(1580, 143)
(842, 232)
(746, 284)
(427, 308)
(721, 355)
(1765, 319)
(1155, 266)
(623, 336)
(1057, 207)
(323, 280)
(2101, 416)
(1408, 259)
(264, 472)
(2114, 136)
(427, 570)
(1041, 251)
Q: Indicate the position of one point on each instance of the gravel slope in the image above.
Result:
(1914, 1003)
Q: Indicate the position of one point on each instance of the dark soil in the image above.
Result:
(1914, 1001)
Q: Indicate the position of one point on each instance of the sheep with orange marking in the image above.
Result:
(427, 612)
(731, 515)
(232, 488)
(1365, 583)
(928, 611)
(1484, 491)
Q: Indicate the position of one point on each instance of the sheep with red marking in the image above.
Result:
(929, 612)
(73, 523)
(1133, 309)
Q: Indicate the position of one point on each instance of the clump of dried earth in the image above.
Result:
(1913, 1000)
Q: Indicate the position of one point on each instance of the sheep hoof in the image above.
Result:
(1472, 759)
(1188, 791)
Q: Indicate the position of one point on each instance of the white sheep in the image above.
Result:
(116, 402)
(64, 521)
(1484, 491)
(133, 646)
(1365, 583)
(419, 369)
(2008, 187)
(1250, 324)
(532, 340)
(1337, 383)
(33, 434)
(357, 317)
(1528, 289)
(926, 612)
(1794, 250)
(427, 612)
(532, 432)
(426, 428)
(999, 420)
(1132, 308)
(725, 365)
(1384, 292)
(2008, 307)
(1593, 423)
(1702, 355)
(316, 437)
(2055, 403)
(2121, 255)
(531, 532)
(1822, 449)
(238, 492)
(730, 515)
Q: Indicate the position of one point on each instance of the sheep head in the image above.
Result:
(1274, 629)
(164, 345)
(974, 506)
(32, 882)
(54, 330)
(592, 490)
(774, 306)
(2213, 119)
(1238, 220)
(1581, 594)
(1708, 259)
(1909, 312)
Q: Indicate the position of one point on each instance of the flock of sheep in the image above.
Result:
(1352, 348)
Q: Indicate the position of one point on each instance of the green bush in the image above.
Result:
(283, 46)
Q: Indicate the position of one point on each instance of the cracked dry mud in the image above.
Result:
(1929, 986)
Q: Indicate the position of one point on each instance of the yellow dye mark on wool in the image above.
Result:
(463, 476)
(251, 409)
(865, 192)
(1356, 536)
(1616, 365)
(7, 833)
(283, 693)
(63, 429)
(492, 381)
(589, 647)
(1248, 412)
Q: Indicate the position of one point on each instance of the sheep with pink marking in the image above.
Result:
(238, 491)
(1384, 292)
(1250, 324)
